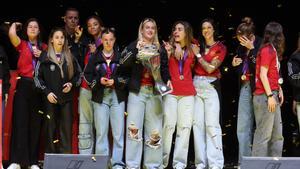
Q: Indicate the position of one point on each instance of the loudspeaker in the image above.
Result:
(270, 163)
(75, 161)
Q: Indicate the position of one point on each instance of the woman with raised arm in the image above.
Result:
(244, 61)
(179, 105)
(26, 105)
(206, 125)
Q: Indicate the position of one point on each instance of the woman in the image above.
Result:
(179, 105)
(206, 126)
(26, 105)
(293, 72)
(268, 96)
(144, 104)
(56, 74)
(86, 114)
(245, 63)
(5, 77)
(108, 96)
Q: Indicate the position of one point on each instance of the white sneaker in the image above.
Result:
(34, 167)
(14, 166)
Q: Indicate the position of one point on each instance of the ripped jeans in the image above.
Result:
(206, 126)
(178, 111)
(144, 112)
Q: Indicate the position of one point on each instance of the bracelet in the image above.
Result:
(198, 55)
(270, 95)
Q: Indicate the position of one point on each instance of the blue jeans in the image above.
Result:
(144, 112)
(268, 139)
(206, 125)
(110, 111)
(245, 121)
(178, 111)
(86, 120)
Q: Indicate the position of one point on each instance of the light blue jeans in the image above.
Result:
(110, 111)
(144, 112)
(86, 120)
(206, 126)
(268, 139)
(178, 111)
(245, 121)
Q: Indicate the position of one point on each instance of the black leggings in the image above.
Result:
(26, 123)
(58, 128)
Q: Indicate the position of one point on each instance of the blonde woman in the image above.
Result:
(144, 102)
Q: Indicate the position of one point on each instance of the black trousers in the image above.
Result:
(26, 123)
(58, 128)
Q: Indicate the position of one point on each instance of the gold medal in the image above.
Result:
(146, 75)
(181, 77)
(243, 77)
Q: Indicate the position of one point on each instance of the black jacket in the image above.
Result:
(79, 49)
(4, 71)
(95, 70)
(48, 78)
(134, 69)
(241, 52)
(294, 74)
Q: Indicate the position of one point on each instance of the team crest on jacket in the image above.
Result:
(52, 67)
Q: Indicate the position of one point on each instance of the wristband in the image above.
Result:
(198, 55)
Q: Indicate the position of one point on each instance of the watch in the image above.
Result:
(270, 95)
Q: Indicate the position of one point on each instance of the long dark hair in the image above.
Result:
(215, 35)
(90, 37)
(273, 34)
(24, 31)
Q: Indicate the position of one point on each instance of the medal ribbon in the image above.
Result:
(245, 65)
(34, 60)
(181, 62)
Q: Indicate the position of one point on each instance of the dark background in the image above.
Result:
(125, 16)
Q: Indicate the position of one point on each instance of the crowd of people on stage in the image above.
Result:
(144, 93)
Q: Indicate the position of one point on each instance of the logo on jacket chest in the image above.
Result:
(52, 67)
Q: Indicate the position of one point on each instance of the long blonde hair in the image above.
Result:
(65, 54)
(140, 35)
